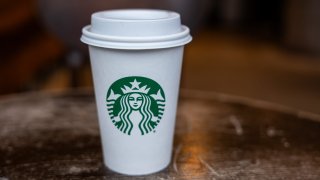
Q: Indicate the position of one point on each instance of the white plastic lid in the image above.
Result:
(136, 29)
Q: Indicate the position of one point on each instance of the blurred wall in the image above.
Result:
(38, 36)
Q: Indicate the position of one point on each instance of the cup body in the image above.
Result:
(136, 58)
(138, 152)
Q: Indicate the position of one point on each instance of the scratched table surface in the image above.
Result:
(55, 136)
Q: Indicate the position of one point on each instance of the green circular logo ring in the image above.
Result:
(135, 102)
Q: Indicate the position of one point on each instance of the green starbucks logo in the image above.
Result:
(135, 104)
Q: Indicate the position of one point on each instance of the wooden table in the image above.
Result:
(55, 136)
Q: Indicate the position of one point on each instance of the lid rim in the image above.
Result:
(137, 46)
(135, 43)
(86, 32)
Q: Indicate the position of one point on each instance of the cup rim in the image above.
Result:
(86, 31)
(148, 42)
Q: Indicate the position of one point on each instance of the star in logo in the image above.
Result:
(113, 96)
(157, 96)
(135, 88)
(135, 84)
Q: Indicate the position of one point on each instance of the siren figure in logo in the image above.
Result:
(135, 106)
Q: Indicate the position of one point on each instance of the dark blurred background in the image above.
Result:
(266, 50)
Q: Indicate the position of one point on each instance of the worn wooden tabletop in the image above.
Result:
(55, 136)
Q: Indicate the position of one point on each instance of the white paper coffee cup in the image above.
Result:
(136, 58)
